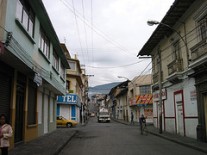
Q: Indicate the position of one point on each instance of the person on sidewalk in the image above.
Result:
(142, 122)
(5, 134)
(132, 118)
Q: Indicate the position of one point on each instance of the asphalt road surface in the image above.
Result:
(118, 139)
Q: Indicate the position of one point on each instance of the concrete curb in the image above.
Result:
(178, 142)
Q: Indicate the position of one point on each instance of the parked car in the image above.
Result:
(61, 121)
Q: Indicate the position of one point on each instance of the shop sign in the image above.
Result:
(38, 79)
(156, 95)
(69, 99)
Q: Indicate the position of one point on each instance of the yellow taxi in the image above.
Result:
(63, 122)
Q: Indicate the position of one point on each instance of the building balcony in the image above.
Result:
(175, 66)
(199, 50)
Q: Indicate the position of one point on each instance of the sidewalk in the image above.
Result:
(48, 144)
(186, 141)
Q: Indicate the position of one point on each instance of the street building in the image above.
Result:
(132, 98)
(178, 49)
(72, 109)
(117, 101)
(71, 106)
(32, 69)
(140, 97)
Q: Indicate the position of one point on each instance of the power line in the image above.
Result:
(92, 32)
(142, 72)
(115, 66)
(97, 31)
(76, 21)
(85, 30)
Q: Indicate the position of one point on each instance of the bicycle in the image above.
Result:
(143, 128)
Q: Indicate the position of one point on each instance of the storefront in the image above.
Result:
(142, 104)
(6, 74)
(69, 106)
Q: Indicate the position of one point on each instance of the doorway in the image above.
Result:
(205, 110)
(19, 119)
(180, 125)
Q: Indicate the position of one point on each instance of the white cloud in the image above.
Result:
(123, 23)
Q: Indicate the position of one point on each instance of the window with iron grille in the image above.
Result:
(203, 28)
(176, 50)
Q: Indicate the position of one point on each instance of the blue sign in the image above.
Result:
(69, 99)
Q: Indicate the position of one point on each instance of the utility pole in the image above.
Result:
(160, 90)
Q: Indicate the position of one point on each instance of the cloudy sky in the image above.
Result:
(107, 35)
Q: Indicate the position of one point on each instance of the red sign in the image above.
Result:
(144, 99)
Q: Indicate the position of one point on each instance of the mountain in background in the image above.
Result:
(102, 89)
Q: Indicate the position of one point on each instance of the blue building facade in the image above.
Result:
(69, 106)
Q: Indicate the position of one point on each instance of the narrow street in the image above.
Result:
(118, 139)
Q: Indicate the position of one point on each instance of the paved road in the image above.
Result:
(118, 139)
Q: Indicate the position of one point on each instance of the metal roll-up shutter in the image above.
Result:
(5, 95)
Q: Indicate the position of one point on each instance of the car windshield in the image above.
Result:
(104, 113)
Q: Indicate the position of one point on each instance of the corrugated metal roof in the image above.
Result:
(178, 8)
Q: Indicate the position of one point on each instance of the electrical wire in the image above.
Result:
(97, 31)
(115, 66)
(76, 21)
(85, 31)
(92, 32)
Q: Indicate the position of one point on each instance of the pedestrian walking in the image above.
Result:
(132, 118)
(5, 134)
(142, 121)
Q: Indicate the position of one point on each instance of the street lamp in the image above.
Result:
(123, 77)
(151, 23)
(134, 85)
(154, 22)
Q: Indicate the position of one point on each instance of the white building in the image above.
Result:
(178, 48)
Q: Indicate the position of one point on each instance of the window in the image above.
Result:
(67, 85)
(72, 65)
(44, 44)
(55, 61)
(203, 28)
(176, 50)
(25, 15)
(32, 103)
(62, 71)
(146, 89)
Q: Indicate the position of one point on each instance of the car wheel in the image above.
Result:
(68, 125)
